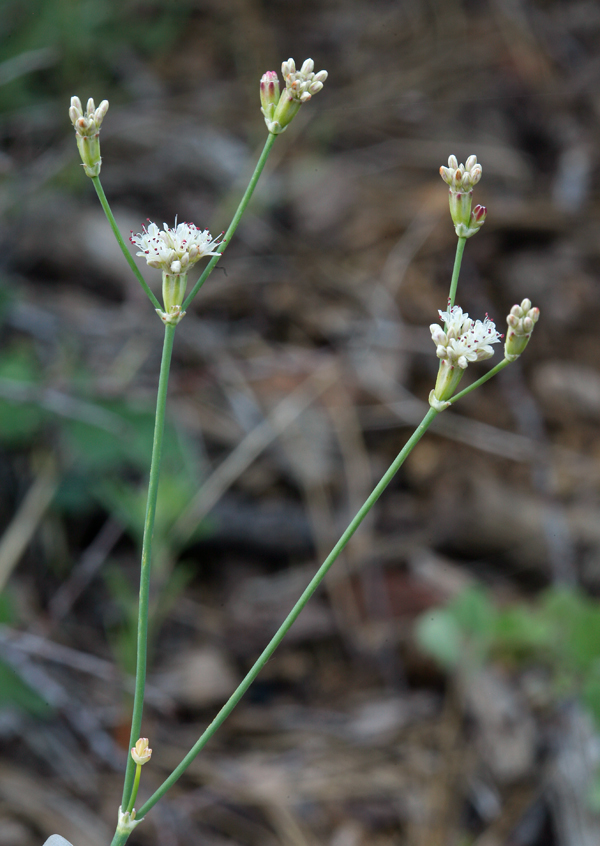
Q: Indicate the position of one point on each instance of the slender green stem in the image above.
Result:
(290, 619)
(113, 225)
(460, 248)
(236, 219)
(142, 633)
(120, 838)
(483, 379)
(135, 788)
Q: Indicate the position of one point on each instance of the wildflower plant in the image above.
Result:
(459, 342)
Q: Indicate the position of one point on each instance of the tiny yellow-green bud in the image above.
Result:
(141, 753)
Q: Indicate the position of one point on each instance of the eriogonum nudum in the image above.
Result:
(87, 128)
(461, 179)
(521, 322)
(462, 341)
(300, 86)
(174, 251)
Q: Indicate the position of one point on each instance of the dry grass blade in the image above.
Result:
(25, 522)
(250, 448)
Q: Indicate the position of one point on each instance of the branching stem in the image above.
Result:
(292, 616)
(128, 257)
(236, 219)
(483, 379)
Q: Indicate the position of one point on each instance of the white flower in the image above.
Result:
(463, 339)
(302, 84)
(174, 250)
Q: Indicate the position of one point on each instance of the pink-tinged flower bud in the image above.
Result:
(87, 129)
(521, 323)
(141, 753)
(478, 215)
(269, 93)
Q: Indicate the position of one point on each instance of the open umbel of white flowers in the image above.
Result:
(464, 340)
(174, 251)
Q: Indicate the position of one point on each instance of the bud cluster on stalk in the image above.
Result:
(521, 322)
(461, 179)
(300, 85)
(87, 128)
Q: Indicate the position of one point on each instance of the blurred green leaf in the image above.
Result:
(14, 692)
(19, 423)
(439, 635)
(8, 614)
(474, 612)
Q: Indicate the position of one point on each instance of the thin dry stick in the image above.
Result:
(85, 570)
(250, 448)
(25, 522)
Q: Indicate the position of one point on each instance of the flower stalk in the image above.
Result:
(144, 596)
(236, 219)
(119, 238)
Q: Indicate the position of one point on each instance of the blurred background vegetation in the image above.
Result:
(444, 687)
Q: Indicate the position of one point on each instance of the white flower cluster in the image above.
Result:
(174, 251)
(89, 123)
(461, 177)
(302, 84)
(464, 340)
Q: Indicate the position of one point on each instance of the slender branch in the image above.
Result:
(236, 219)
(460, 248)
(142, 634)
(479, 382)
(290, 619)
(120, 838)
(113, 225)
(135, 788)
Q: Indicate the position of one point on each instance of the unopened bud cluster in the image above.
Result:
(300, 85)
(521, 322)
(461, 179)
(87, 127)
